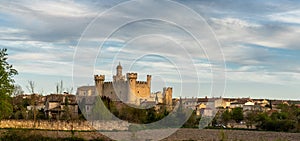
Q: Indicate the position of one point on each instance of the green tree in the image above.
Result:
(7, 72)
(237, 114)
(250, 118)
(100, 110)
(193, 121)
(226, 116)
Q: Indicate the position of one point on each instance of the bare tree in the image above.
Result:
(59, 87)
(33, 99)
(30, 87)
(17, 91)
(69, 90)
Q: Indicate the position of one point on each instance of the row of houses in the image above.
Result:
(54, 105)
(208, 106)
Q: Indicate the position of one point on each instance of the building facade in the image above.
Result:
(86, 91)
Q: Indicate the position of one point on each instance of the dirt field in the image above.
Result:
(182, 134)
(232, 135)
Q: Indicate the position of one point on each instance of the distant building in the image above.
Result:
(189, 103)
(248, 106)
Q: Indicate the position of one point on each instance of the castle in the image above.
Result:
(129, 90)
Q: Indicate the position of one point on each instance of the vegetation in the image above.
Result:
(143, 116)
(7, 72)
(237, 114)
(286, 118)
(21, 135)
(125, 112)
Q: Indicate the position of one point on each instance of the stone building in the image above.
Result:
(58, 105)
(128, 89)
(86, 91)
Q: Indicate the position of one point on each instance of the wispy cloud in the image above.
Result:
(259, 40)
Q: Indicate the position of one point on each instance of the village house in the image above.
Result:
(59, 105)
(86, 91)
(248, 106)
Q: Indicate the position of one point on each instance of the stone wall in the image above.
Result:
(64, 125)
(142, 89)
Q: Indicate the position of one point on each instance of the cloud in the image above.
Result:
(47, 20)
(259, 39)
(288, 17)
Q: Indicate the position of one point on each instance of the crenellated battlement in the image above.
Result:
(131, 75)
(141, 82)
(110, 82)
(99, 77)
(168, 88)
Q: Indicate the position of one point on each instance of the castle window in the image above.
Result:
(138, 91)
(110, 92)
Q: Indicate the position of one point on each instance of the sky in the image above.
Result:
(200, 48)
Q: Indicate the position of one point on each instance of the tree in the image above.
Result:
(59, 87)
(7, 72)
(33, 102)
(226, 116)
(33, 99)
(237, 114)
(100, 110)
(31, 86)
(250, 118)
(17, 91)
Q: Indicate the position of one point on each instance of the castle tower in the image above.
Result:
(149, 81)
(99, 81)
(167, 99)
(119, 75)
(119, 70)
(131, 79)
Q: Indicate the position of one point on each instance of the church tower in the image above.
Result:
(119, 75)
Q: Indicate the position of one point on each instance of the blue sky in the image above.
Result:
(248, 48)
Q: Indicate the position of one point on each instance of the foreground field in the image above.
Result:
(232, 135)
(182, 134)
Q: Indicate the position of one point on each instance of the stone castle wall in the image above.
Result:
(142, 89)
(119, 90)
(63, 125)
